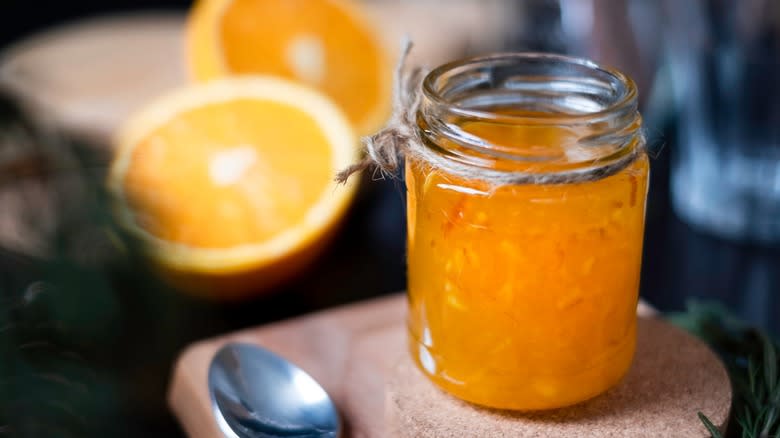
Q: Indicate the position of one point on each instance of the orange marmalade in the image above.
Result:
(525, 225)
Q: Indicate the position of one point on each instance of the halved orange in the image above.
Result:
(231, 182)
(327, 44)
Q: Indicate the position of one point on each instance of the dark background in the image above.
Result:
(25, 16)
(366, 260)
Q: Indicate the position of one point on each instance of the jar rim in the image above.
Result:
(595, 109)
(625, 103)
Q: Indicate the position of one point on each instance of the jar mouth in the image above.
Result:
(565, 74)
(595, 108)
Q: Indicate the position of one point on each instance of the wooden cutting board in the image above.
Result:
(89, 75)
(358, 353)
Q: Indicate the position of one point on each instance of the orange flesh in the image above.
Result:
(237, 164)
(257, 38)
(524, 298)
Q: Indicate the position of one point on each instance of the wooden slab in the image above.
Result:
(90, 75)
(321, 344)
(358, 353)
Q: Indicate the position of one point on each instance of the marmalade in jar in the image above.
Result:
(523, 296)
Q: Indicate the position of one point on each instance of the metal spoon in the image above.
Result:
(257, 394)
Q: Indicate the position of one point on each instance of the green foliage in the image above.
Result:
(84, 325)
(751, 359)
(52, 374)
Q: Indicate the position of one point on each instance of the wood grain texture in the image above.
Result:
(358, 353)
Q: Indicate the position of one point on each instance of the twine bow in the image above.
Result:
(385, 149)
(400, 139)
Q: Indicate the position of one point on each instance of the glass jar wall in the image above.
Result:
(526, 218)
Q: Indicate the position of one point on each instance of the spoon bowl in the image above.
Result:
(258, 394)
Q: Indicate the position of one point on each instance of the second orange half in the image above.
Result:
(327, 44)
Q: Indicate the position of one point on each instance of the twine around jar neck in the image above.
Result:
(402, 139)
(386, 149)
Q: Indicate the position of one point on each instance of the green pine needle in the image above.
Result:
(770, 365)
(751, 359)
(710, 427)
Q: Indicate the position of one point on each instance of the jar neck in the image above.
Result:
(549, 116)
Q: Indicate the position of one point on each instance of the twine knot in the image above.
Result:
(385, 149)
(401, 138)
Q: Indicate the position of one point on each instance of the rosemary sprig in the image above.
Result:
(87, 331)
(751, 359)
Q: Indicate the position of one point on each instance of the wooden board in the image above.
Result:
(88, 76)
(321, 344)
(358, 350)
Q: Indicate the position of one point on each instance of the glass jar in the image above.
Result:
(526, 205)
